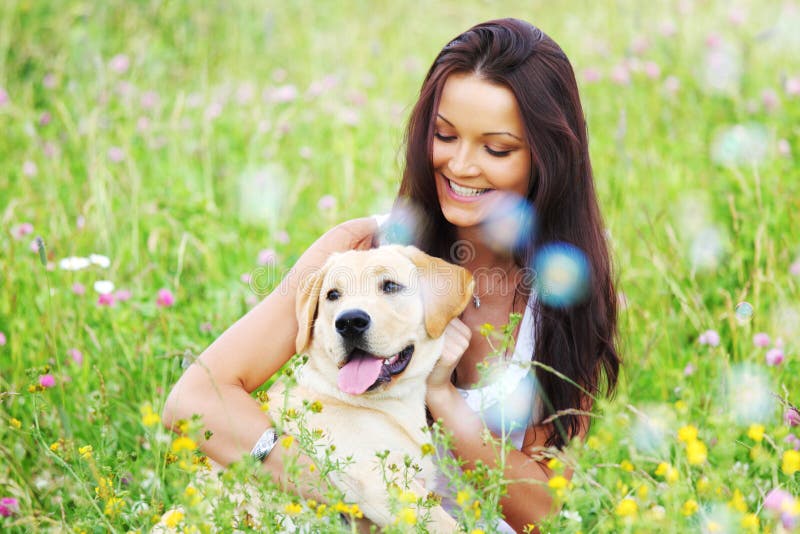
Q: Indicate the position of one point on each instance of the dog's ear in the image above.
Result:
(306, 307)
(446, 289)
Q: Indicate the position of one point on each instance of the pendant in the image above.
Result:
(476, 301)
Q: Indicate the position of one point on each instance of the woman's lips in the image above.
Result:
(461, 198)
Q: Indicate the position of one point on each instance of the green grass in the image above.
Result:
(172, 214)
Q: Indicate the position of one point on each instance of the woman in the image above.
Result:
(498, 115)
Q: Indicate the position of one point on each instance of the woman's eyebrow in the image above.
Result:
(485, 133)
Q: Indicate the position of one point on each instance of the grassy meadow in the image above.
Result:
(169, 153)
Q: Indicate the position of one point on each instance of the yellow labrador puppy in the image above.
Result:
(371, 323)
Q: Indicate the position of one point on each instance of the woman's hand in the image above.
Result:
(456, 340)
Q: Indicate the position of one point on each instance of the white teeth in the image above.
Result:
(465, 191)
(390, 361)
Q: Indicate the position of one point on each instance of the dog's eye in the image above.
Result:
(332, 295)
(391, 287)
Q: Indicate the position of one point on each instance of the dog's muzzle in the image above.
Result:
(364, 371)
(352, 323)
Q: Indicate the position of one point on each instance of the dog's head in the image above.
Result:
(378, 315)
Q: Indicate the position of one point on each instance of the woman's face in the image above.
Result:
(479, 149)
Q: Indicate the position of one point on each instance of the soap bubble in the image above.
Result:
(707, 249)
(262, 194)
(562, 275)
(748, 395)
(512, 412)
(510, 225)
(401, 228)
(740, 144)
(652, 429)
(744, 312)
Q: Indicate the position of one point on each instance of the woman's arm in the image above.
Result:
(528, 500)
(218, 385)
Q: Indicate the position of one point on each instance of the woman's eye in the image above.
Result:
(445, 138)
(391, 287)
(332, 295)
(498, 153)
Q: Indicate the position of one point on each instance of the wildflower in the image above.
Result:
(756, 432)
(105, 299)
(165, 298)
(29, 169)
(688, 370)
(3, 97)
(774, 357)
(625, 465)
(122, 295)
(21, 230)
(149, 417)
(282, 94)
(476, 531)
(791, 417)
(750, 522)
(16, 423)
(292, 508)
(73, 263)
(2, 339)
(696, 452)
(709, 337)
(681, 406)
(9, 506)
(286, 441)
(86, 451)
(462, 496)
(103, 287)
(790, 463)
(267, 257)
(687, 433)
(777, 500)
(100, 260)
(486, 329)
(761, 340)
(173, 518)
(737, 501)
(627, 507)
(407, 516)
(326, 202)
(690, 507)
(427, 449)
(183, 443)
(558, 482)
(119, 63)
(75, 355)
(703, 486)
(78, 288)
(282, 237)
(47, 381)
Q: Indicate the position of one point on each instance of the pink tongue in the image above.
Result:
(359, 373)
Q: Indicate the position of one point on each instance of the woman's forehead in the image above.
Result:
(474, 103)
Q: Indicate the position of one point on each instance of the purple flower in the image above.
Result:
(792, 87)
(75, 355)
(2, 339)
(116, 154)
(29, 169)
(3, 97)
(47, 381)
(78, 288)
(282, 237)
(591, 75)
(776, 498)
(327, 202)
(621, 75)
(791, 417)
(794, 269)
(9, 506)
(709, 337)
(119, 63)
(792, 441)
(21, 230)
(45, 118)
(774, 357)
(688, 370)
(282, 94)
(652, 70)
(105, 299)
(245, 278)
(206, 327)
(122, 295)
(761, 340)
(267, 257)
(165, 298)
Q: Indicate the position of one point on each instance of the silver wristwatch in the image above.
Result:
(265, 444)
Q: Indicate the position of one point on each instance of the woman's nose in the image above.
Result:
(461, 163)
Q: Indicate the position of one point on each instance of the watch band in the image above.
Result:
(265, 444)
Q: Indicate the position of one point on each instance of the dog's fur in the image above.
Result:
(390, 415)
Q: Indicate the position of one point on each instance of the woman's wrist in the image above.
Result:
(440, 397)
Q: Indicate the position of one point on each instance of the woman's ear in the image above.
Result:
(446, 289)
(307, 299)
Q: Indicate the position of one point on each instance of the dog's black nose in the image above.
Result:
(352, 323)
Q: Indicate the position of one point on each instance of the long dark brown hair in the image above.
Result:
(577, 341)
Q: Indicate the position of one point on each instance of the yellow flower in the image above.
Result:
(264, 406)
(696, 452)
(627, 507)
(407, 516)
(669, 473)
(286, 441)
(173, 518)
(750, 522)
(55, 446)
(407, 497)
(183, 443)
(593, 442)
(427, 449)
(687, 433)
(703, 486)
(791, 462)
(756, 432)
(554, 464)
(626, 465)
(690, 507)
(713, 526)
(486, 329)
(476, 508)
(476, 531)
(737, 501)
(462, 496)
(757, 452)
(681, 406)
(16, 423)
(316, 406)
(149, 417)
(104, 488)
(642, 491)
(292, 508)
(86, 452)
(113, 506)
